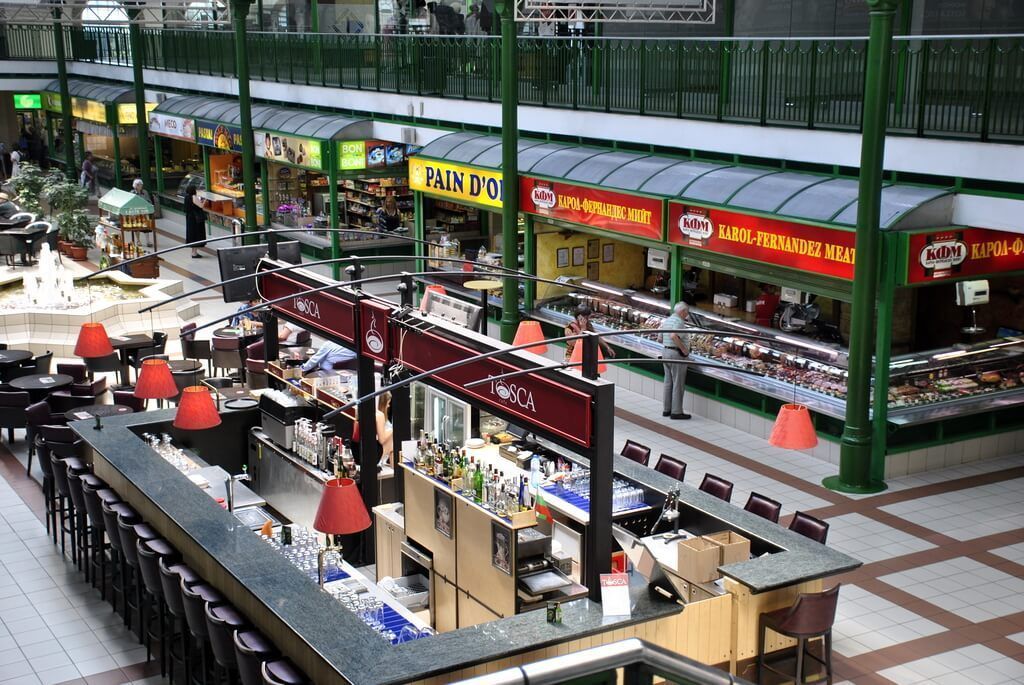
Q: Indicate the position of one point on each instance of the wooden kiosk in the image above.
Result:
(130, 217)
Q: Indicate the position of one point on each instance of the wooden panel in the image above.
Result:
(445, 605)
(472, 612)
(384, 543)
(749, 608)
(419, 523)
(476, 574)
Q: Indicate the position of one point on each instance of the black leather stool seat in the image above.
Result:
(282, 672)
(195, 599)
(252, 648)
(94, 481)
(130, 531)
(150, 552)
(222, 621)
(107, 495)
(159, 547)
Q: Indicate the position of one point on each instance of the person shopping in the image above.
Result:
(388, 216)
(385, 431)
(580, 325)
(139, 189)
(677, 347)
(329, 355)
(195, 220)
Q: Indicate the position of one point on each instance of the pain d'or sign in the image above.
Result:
(455, 182)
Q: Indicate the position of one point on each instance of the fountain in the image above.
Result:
(52, 286)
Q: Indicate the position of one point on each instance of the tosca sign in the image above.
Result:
(220, 136)
(962, 253)
(814, 249)
(325, 312)
(171, 126)
(455, 182)
(595, 207)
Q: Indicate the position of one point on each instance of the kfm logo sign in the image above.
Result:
(304, 305)
(543, 196)
(514, 394)
(695, 226)
(943, 255)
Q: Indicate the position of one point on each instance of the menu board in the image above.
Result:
(814, 249)
(28, 101)
(607, 209)
(961, 253)
(220, 136)
(290, 150)
(90, 110)
(171, 126)
(128, 115)
(369, 154)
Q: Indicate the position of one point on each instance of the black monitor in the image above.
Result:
(242, 261)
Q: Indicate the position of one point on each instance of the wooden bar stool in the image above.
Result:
(810, 617)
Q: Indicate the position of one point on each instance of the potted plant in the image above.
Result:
(76, 229)
(64, 197)
(30, 185)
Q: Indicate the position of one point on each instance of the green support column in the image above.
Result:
(158, 162)
(530, 264)
(419, 231)
(314, 16)
(509, 168)
(112, 116)
(883, 351)
(71, 169)
(332, 181)
(259, 12)
(49, 131)
(239, 12)
(675, 274)
(207, 178)
(265, 185)
(142, 124)
(855, 449)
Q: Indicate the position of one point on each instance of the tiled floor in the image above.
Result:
(940, 598)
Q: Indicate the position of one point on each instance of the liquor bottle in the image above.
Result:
(478, 485)
(438, 463)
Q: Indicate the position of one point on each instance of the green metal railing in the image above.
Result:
(968, 87)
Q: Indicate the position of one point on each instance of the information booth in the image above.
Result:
(104, 117)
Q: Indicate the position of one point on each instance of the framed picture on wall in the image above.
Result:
(562, 257)
(501, 547)
(577, 256)
(593, 271)
(609, 253)
(593, 248)
(444, 512)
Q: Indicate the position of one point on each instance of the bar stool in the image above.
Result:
(810, 617)
(131, 530)
(173, 575)
(222, 621)
(252, 648)
(90, 484)
(282, 672)
(95, 497)
(50, 496)
(112, 512)
(65, 508)
(82, 529)
(195, 598)
(150, 552)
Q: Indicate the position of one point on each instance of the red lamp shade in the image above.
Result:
(577, 358)
(528, 332)
(155, 380)
(93, 341)
(341, 510)
(196, 410)
(793, 429)
(439, 289)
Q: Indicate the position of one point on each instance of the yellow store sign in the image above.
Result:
(127, 115)
(455, 182)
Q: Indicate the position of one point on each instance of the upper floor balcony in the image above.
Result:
(959, 87)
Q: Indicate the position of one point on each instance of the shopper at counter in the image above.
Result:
(677, 346)
(328, 356)
(580, 325)
(388, 216)
(385, 431)
(195, 220)
(765, 305)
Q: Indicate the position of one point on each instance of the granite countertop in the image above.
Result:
(352, 649)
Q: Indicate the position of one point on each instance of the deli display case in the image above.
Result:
(924, 386)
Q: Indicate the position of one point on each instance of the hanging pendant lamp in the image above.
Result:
(196, 410)
(577, 358)
(155, 380)
(793, 429)
(93, 341)
(528, 332)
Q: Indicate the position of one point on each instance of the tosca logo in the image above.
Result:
(514, 394)
(374, 341)
(695, 225)
(306, 306)
(543, 197)
(944, 254)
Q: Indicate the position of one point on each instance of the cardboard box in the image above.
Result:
(734, 547)
(698, 560)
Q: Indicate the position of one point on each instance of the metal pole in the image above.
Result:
(332, 180)
(529, 263)
(509, 167)
(419, 229)
(883, 351)
(142, 123)
(598, 542)
(112, 116)
(265, 191)
(855, 450)
(158, 162)
(239, 12)
(71, 169)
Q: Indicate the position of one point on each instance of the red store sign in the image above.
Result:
(815, 249)
(962, 253)
(607, 209)
(323, 311)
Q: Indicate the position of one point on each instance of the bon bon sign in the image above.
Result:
(460, 183)
(816, 249)
(591, 207)
(962, 253)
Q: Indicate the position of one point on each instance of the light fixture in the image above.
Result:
(439, 289)
(341, 512)
(93, 341)
(155, 381)
(793, 429)
(528, 332)
(195, 410)
(577, 358)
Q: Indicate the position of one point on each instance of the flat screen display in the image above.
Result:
(241, 261)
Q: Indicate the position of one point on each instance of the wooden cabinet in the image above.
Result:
(390, 536)
(446, 605)
(419, 521)
(472, 612)
(478, 576)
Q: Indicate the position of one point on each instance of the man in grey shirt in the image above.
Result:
(677, 346)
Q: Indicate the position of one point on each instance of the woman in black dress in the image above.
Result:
(195, 220)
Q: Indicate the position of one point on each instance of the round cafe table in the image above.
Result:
(96, 410)
(13, 357)
(124, 343)
(484, 286)
(39, 385)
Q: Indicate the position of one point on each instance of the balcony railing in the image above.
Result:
(961, 86)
